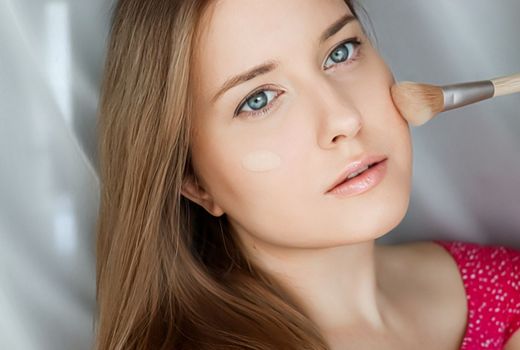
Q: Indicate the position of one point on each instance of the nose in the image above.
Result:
(338, 118)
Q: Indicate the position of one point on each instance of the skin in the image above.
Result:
(322, 247)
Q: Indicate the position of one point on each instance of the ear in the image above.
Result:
(194, 192)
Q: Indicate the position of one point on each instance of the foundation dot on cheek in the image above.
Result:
(261, 161)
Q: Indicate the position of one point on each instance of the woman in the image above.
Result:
(224, 128)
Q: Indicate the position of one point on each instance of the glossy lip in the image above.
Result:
(355, 166)
(362, 183)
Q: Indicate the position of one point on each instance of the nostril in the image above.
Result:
(336, 137)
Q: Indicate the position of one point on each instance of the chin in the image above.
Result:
(381, 220)
(396, 216)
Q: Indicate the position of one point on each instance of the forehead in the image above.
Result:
(235, 35)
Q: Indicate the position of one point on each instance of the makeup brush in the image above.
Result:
(419, 103)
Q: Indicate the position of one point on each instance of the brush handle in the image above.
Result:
(458, 95)
(506, 85)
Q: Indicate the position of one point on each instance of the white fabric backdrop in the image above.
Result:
(466, 182)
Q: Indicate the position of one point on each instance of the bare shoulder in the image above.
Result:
(514, 342)
(431, 288)
(424, 267)
(424, 254)
(431, 265)
(419, 256)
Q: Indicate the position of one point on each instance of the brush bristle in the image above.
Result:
(417, 103)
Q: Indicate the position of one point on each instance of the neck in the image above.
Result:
(338, 287)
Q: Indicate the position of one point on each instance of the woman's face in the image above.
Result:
(325, 104)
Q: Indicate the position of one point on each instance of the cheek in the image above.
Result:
(374, 94)
(267, 149)
(376, 82)
(261, 161)
(239, 171)
(383, 121)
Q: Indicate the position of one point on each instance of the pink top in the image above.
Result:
(491, 277)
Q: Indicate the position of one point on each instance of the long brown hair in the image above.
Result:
(169, 274)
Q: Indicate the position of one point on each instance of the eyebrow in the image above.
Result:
(271, 65)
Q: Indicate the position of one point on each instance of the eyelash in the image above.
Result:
(252, 115)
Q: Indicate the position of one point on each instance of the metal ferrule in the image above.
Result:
(458, 95)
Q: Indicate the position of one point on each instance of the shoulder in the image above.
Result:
(432, 289)
(514, 342)
(425, 260)
(435, 270)
(477, 265)
(452, 262)
(486, 276)
(434, 267)
(481, 264)
(430, 273)
(491, 276)
(467, 256)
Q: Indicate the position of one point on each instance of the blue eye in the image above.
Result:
(258, 102)
(344, 52)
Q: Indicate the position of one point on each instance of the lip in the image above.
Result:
(355, 166)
